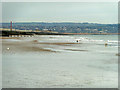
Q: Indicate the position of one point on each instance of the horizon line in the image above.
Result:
(55, 22)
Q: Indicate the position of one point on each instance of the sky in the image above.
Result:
(78, 12)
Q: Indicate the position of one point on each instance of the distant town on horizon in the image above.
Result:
(64, 27)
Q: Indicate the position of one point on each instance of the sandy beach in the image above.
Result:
(31, 46)
(54, 62)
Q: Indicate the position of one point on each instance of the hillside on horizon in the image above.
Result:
(64, 27)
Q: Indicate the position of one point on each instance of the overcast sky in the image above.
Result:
(60, 12)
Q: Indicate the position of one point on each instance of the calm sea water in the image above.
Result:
(89, 64)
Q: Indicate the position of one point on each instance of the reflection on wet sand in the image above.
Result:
(37, 49)
(75, 50)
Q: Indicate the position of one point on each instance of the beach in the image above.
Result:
(59, 61)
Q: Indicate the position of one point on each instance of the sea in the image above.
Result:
(78, 61)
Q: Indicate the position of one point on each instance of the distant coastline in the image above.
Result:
(64, 27)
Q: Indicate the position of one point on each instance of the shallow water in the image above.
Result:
(87, 64)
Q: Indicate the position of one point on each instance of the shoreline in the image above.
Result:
(92, 33)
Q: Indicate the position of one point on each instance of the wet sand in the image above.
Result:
(9, 38)
(31, 46)
(19, 47)
(75, 50)
(34, 64)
